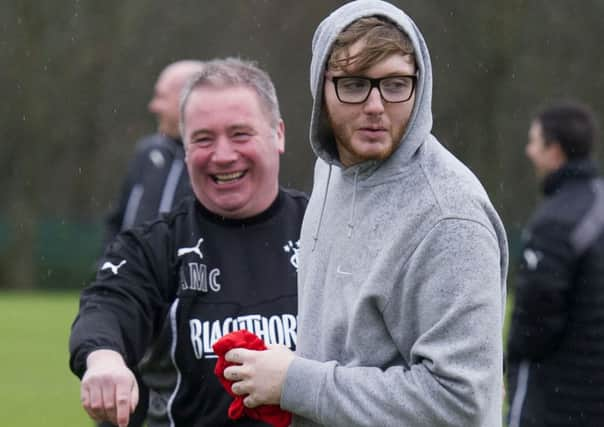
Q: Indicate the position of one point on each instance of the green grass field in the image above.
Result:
(37, 389)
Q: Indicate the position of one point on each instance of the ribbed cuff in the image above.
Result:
(303, 386)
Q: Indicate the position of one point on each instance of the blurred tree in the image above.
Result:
(77, 76)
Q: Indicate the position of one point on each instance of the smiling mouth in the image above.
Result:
(224, 178)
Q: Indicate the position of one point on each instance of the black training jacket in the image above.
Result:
(556, 341)
(156, 181)
(196, 277)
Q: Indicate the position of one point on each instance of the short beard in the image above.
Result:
(381, 155)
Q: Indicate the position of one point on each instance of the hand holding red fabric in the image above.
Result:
(271, 414)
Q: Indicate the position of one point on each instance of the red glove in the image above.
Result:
(271, 414)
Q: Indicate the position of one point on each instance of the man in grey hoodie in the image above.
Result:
(403, 258)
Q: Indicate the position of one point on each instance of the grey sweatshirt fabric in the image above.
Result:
(402, 276)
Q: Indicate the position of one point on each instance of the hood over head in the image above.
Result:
(420, 122)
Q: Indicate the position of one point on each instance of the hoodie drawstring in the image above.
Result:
(354, 200)
(316, 236)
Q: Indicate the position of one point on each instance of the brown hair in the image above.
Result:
(570, 124)
(382, 38)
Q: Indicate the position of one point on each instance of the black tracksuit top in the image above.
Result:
(156, 182)
(556, 341)
(202, 276)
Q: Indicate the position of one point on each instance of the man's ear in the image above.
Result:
(556, 155)
(280, 136)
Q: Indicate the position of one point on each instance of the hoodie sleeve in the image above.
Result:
(124, 305)
(453, 374)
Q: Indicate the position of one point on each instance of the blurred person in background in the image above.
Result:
(157, 177)
(223, 260)
(555, 346)
(403, 259)
(155, 182)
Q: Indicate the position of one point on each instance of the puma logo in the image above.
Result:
(195, 249)
(114, 268)
(293, 247)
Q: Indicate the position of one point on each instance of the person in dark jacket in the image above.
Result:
(157, 178)
(556, 343)
(155, 182)
(221, 261)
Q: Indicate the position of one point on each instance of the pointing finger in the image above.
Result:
(123, 397)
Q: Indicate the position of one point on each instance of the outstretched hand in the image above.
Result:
(259, 374)
(108, 391)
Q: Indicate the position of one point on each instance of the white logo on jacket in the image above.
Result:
(193, 249)
(200, 278)
(276, 329)
(110, 266)
(293, 247)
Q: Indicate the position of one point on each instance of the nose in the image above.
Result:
(151, 106)
(224, 151)
(374, 103)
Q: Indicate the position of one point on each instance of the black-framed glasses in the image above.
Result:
(356, 89)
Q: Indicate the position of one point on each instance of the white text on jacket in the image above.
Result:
(278, 329)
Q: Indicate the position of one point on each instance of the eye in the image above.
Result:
(201, 140)
(396, 83)
(352, 84)
(241, 136)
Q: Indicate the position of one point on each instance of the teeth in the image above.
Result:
(226, 177)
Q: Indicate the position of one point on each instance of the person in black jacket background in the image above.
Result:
(157, 178)
(555, 349)
(221, 261)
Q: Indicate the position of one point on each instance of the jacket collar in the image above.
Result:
(571, 170)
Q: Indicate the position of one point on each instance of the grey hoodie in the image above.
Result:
(402, 276)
